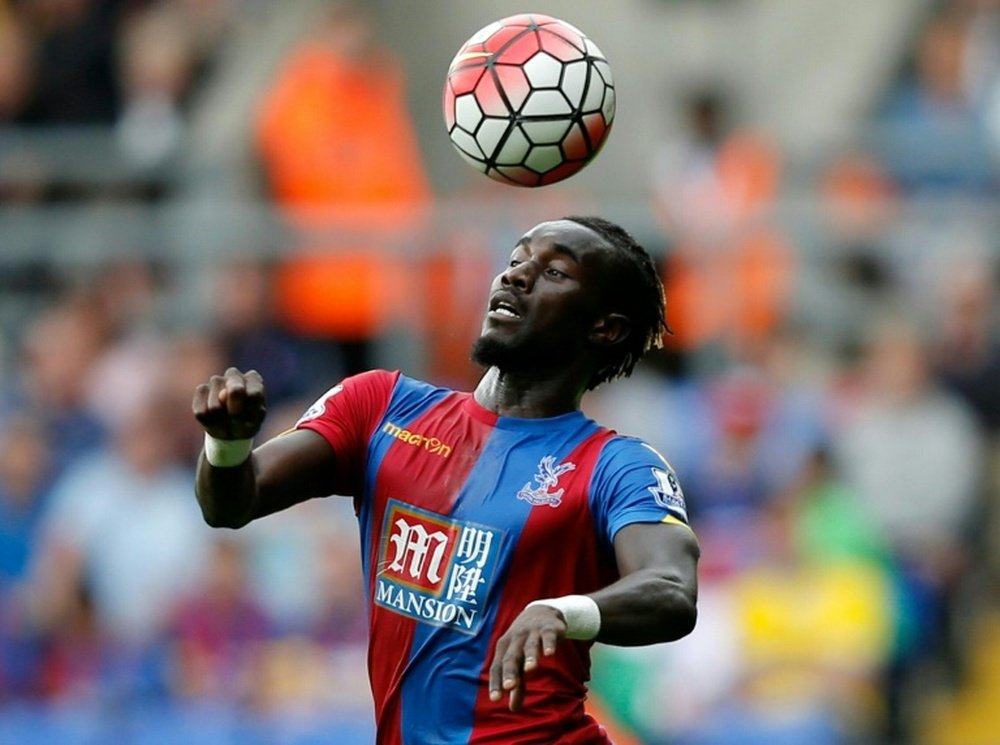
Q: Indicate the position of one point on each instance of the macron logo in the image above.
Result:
(417, 440)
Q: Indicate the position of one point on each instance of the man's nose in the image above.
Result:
(520, 276)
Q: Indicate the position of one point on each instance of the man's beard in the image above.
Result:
(516, 355)
(490, 352)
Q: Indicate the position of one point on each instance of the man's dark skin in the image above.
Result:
(545, 334)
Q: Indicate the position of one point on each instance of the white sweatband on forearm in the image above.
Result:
(583, 617)
(226, 453)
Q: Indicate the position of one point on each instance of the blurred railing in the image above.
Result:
(88, 157)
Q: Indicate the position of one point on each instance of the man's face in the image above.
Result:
(544, 304)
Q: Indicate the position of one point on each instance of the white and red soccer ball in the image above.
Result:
(529, 100)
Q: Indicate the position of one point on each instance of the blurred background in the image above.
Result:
(191, 184)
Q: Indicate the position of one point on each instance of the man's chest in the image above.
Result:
(448, 518)
(495, 478)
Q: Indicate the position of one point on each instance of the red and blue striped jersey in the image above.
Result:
(466, 517)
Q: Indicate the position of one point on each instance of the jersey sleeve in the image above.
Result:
(345, 416)
(633, 483)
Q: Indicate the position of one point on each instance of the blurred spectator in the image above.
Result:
(118, 381)
(321, 665)
(981, 62)
(764, 430)
(251, 338)
(90, 62)
(730, 271)
(193, 356)
(59, 348)
(669, 411)
(858, 199)
(933, 137)
(124, 295)
(75, 81)
(157, 66)
(828, 522)
(982, 45)
(966, 352)
(334, 131)
(730, 482)
(318, 663)
(342, 163)
(685, 181)
(77, 652)
(716, 176)
(849, 275)
(17, 70)
(289, 564)
(88, 358)
(913, 454)
(129, 290)
(342, 619)
(123, 524)
(98, 90)
(25, 470)
(25, 476)
(815, 637)
(208, 22)
(912, 451)
(217, 633)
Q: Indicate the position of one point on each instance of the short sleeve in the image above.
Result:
(633, 483)
(345, 416)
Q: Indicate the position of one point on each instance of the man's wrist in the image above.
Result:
(227, 453)
(581, 613)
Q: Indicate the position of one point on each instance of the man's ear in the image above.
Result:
(610, 329)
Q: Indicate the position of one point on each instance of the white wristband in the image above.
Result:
(583, 617)
(226, 453)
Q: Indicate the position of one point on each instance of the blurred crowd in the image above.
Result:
(114, 591)
(828, 397)
(78, 67)
(78, 62)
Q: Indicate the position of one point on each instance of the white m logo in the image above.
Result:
(423, 549)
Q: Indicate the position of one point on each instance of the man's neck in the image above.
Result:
(527, 396)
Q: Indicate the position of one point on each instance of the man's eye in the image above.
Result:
(555, 273)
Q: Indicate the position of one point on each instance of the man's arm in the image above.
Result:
(656, 598)
(286, 470)
(654, 601)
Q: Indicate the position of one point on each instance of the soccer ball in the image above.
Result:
(529, 100)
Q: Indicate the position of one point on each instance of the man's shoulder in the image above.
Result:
(410, 385)
(621, 449)
(381, 387)
(376, 376)
(379, 383)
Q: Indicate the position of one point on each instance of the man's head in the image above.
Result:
(577, 291)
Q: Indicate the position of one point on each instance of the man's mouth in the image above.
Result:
(503, 308)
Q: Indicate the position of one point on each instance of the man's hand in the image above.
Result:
(537, 630)
(235, 484)
(231, 406)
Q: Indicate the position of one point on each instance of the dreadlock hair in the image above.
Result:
(635, 290)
